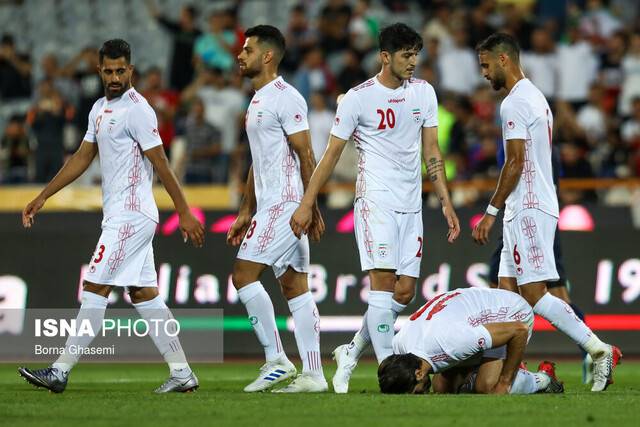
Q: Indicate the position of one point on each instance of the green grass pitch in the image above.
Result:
(121, 394)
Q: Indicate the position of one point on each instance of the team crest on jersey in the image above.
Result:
(259, 118)
(416, 115)
(112, 123)
(383, 250)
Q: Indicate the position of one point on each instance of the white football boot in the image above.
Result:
(603, 367)
(305, 383)
(272, 373)
(347, 362)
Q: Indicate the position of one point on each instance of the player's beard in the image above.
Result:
(112, 93)
(249, 72)
(499, 80)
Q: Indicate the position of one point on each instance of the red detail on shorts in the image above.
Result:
(269, 232)
(368, 239)
(117, 256)
(361, 182)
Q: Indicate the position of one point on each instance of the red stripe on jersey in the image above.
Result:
(133, 97)
(368, 83)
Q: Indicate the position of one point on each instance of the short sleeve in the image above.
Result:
(514, 115)
(347, 116)
(292, 114)
(90, 135)
(431, 108)
(466, 341)
(143, 126)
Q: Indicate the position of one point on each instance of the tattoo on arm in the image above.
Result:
(434, 168)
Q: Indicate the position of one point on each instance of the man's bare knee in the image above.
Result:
(405, 290)
(383, 280)
(293, 283)
(94, 288)
(484, 385)
(245, 272)
(142, 294)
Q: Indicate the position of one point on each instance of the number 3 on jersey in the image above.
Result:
(387, 118)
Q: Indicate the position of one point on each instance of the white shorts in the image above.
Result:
(270, 241)
(388, 239)
(124, 254)
(527, 253)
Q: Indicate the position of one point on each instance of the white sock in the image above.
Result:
(562, 316)
(307, 332)
(529, 382)
(260, 310)
(92, 308)
(156, 313)
(361, 339)
(380, 323)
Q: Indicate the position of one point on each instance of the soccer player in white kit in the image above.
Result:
(392, 117)
(276, 123)
(123, 129)
(489, 327)
(526, 191)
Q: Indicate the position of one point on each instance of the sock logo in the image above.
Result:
(253, 320)
(383, 328)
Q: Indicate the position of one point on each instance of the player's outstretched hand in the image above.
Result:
(192, 229)
(30, 210)
(481, 231)
(301, 220)
(317, 224)
(452, 221)
(238, 229)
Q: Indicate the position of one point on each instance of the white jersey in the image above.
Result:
(449, 328)
(124, 127)
(386, 125)
(526, 115)
(276, 111)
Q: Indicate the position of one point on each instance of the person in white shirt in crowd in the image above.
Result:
(592, 117)
(541, 63)
(630, 76)
(320, 123)
(577, 69)
(457, 65)
(223, 108)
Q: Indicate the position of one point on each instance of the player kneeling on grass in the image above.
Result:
(124, 129)
(460, 326)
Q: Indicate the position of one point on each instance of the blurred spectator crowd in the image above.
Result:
(583, 55)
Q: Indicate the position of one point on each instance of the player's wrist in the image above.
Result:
(492, 210)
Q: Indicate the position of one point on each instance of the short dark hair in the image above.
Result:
(114, 49)
(397, 373)
(500, 43)
(270, 35)
(191, 10)
(399, 37)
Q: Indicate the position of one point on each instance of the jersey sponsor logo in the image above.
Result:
(253, 320)
(511, 124)
(396, 101)
(255, 101)
(259, 117)
(298, 118)
(108, 111)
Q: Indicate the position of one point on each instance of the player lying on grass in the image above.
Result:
(405, 373)
(456, 327)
